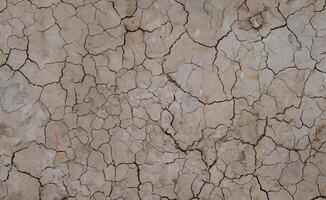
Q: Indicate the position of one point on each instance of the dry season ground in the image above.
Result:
(162, 99)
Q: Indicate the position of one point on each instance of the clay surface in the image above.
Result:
(162, 99)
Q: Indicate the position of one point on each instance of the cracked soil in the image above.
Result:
(162, 99)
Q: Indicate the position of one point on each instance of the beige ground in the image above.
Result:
(163, 99)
